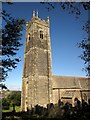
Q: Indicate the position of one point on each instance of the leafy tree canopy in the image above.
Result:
(11, 42)
(14, 98)
(85, 45)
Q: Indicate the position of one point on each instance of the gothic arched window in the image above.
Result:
(41, 34)
(29, 36)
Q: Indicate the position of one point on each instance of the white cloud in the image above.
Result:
(14, 87)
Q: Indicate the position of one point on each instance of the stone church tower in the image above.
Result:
(37, 72)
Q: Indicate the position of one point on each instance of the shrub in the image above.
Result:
(5, 104)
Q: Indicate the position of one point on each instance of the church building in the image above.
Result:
(39, 86)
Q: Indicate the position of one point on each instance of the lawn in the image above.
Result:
(17, 108)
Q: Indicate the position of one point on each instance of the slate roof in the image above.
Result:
(70, 82)
(85, 83)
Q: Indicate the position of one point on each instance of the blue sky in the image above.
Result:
(65, 31)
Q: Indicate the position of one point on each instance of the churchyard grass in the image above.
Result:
(17, 108)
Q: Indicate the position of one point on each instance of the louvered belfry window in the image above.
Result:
(41, 34)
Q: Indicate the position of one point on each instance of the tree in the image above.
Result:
(70, 7)
(11, 42)
(85, 45)
(5, 104)
(14, 98)
(76, 9)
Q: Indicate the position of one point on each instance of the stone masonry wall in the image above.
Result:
(37, 72)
